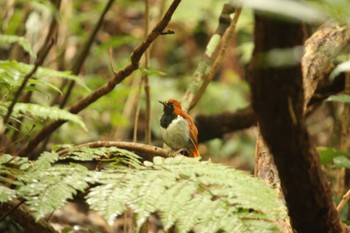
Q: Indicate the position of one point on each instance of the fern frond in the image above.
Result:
(45, 112)
(6, 40)
(48, 190)
(10, 71)
(113, 155)
(193, 195)
(6, 194)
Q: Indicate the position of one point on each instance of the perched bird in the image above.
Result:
(178, 130)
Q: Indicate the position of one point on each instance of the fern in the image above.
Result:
(195, 195)
(190, 194)
(44, 112)
(11, 71)
(113, 155)
(6, 40)
(48, 190)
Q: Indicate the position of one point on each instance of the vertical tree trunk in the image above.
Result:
(278, 100)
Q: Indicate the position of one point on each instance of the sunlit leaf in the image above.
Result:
(291, 9)
(339, 98)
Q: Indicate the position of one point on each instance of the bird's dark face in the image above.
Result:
(168, 107)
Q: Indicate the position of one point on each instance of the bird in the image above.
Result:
(177, 128)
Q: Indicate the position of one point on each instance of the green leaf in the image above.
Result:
(23, 42)
(49, 189)
(341, 161)
(193, 195)
(45, 113)
(6, 194)
(327, 154)
(150, 71)
(12, 70)
(342, 98)
(342, 67)
(113, 155)
(290, 9)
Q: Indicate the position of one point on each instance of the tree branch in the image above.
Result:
(80, 59)
(21, 215)
(147, 152)
(108, 87)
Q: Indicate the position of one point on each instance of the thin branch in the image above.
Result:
(137, 112)
(21, 215)
(218, 61)
(344, 200)
(108, 87)
(84, 53)
(147, 152)
(204, 64)
(110, 55)
(146, 80)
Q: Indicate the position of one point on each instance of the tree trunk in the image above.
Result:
(278, 100)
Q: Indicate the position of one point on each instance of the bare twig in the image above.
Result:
(84, 53)
(203, 66)
(344, 200)
(108, 87)
(146, 81)
(214, 68)
(147, 152)
(110, 53)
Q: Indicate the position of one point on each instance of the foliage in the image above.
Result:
(12, 72)
(331, 156)
(42, 112)
(6, 40)
(185, 192)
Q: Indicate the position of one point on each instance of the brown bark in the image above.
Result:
(21, 215)
(278, 100)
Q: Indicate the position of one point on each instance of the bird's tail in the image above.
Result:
(195, 152)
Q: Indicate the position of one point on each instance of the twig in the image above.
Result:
(108, 87)
(344, 200)
(218, 61)
(146, 80)
(137, 112)
(111, 60)
(146, 151)
(84, 53)
(203, 66)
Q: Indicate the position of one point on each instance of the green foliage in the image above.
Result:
(331, 156)
(6, 40)
(43, 112)
(12, 72)
(343, 98)
(189, 193)
(193, 195)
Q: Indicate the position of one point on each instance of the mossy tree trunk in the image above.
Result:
(278, 100)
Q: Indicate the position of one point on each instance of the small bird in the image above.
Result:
(178, 130)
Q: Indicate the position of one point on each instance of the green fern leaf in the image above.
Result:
(6, 194)
(193, 195)
(6, 40)
(48, 190)
(115, 156)
(11, 71)
(45, 112)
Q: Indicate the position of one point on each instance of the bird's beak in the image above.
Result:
(162, 102)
